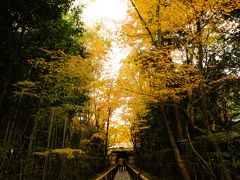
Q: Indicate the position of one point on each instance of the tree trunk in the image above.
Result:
(224, 171)
(5, 85)
(50, 130)
(180, 164)
(32, 137)
(200, 46)
(204, 109)
(107, 129)
(159, 31)
(6, 133)
(11, 130)
(206, 166)
(3, 93)
(207, 131)
(189, 54)
(178, 121)
(144, 22)
(64, 133)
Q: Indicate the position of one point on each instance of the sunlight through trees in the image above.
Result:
(86, 83)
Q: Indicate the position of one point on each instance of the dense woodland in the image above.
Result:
(182, 83)
(46, 72)
(178, 90)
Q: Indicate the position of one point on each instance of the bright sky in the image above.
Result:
(111, 13)
(107, 10)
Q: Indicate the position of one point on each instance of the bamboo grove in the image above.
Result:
(47, 130)
(181, 83)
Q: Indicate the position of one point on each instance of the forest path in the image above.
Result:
(122, 175)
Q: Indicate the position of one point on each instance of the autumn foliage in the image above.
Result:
(181, 84)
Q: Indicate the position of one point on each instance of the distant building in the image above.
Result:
(126, 153)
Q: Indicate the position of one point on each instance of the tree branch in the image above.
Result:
(144, 22)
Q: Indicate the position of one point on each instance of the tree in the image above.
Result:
(46, 77)
(28, 30)
(170, 84)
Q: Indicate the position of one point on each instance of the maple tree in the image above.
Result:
(175, 44)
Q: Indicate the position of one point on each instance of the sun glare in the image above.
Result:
(103, 10)
(110, 13)
(110, 10)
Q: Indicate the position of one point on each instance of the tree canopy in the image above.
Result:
(181, 82)
(176, 95)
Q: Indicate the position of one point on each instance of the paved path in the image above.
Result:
(122, 175)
